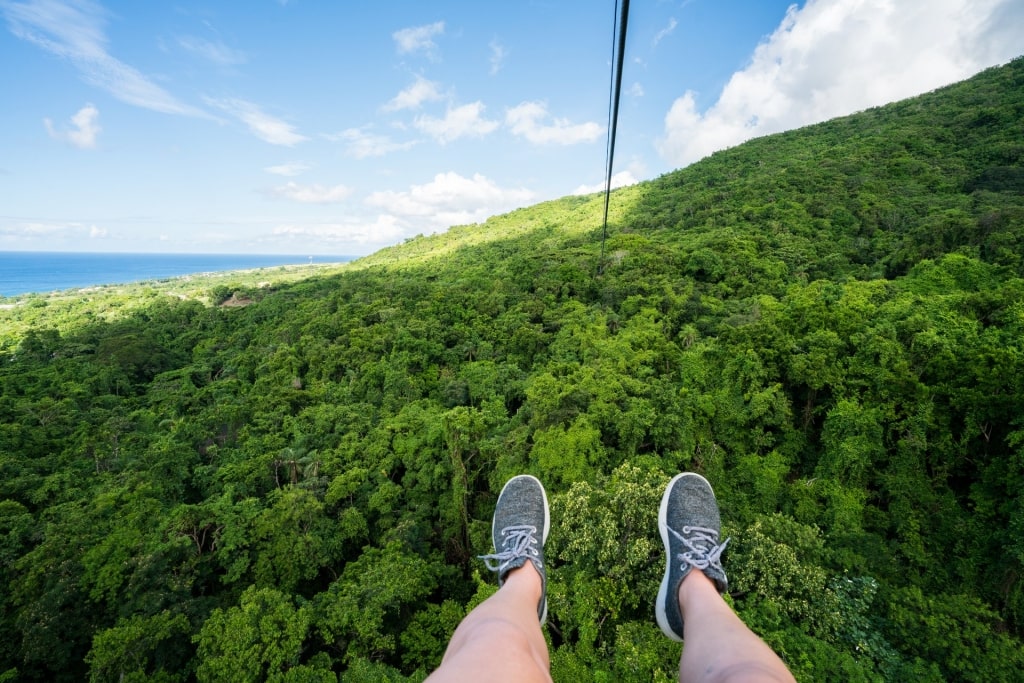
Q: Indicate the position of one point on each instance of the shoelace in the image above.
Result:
(520, 541)
(704, 549)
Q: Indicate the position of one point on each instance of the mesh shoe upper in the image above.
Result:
(689, 523)
(519, 530)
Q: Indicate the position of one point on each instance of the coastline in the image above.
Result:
(40, 273)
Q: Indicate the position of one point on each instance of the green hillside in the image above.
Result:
(827, 323)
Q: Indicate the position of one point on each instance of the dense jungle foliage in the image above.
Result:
(827, 323)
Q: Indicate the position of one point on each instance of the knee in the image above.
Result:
(500, 639)
(497, 630)
(749, 672)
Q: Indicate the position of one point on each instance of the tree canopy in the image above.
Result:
(826, 323)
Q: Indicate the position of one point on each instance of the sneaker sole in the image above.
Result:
(659, 606)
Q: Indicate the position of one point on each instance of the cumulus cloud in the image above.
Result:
(361, 143)
(384, 229)
(620, 179)
(216, 52)
(415, 95)
(530, 120)
(419, 39)
(76, 32)
(262, 125)
(312, 194)
(85, 128)
(451, 199)
(458, 122)
(292, 168)
(831, 58)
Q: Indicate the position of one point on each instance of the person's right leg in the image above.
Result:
(719, 647)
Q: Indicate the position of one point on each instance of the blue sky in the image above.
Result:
(302, 127)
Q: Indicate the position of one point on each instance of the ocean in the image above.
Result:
(22, 272)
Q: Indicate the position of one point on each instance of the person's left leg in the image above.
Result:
(501, 640)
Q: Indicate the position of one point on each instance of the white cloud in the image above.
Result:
(620, 179)
(34, 229)
(312, 194)
(48, 230)
(451, 199)
(216, 52)
(464, 121)
(292, 168)
(831, 58)
(75, 31)
(667, 31)
(97, 233)
(262, 125)
(382, 230)
(498, 55)
(363, 144)
(85, 128)
(419, 39)
(527, 120)
(636, 90)
(416, 94)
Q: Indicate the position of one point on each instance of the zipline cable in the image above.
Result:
(618, 58)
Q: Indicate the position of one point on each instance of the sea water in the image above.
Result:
(22, 272)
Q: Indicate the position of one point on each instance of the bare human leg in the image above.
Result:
(501, 639)
(690, 609)
(718, 646)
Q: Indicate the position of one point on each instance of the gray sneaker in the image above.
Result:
(689, 524)
(519, 530)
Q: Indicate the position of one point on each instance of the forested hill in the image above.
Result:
(827, 323)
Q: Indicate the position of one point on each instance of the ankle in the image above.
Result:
(526, 578)
(527, 574)
(694, 586)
